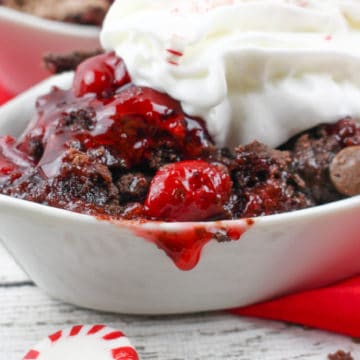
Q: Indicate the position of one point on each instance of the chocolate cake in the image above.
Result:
(107, 147)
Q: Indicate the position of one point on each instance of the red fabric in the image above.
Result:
(4, 95)
(335, 308)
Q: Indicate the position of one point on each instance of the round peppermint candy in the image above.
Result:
(84, 342)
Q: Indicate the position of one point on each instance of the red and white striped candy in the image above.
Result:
(84, 342)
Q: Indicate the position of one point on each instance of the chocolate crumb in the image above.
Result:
(221, 237)
(340, 355)
(133, 186)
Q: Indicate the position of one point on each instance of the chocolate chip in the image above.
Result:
(345, 171)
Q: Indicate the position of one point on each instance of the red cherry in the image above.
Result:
(12, 161)
(160, 110)
(139, 120)
(100, 75)
(188, 191)
(6, 166)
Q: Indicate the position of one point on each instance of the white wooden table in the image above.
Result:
(27, 315)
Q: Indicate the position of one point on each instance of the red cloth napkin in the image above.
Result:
(4, 95)
(335, 308)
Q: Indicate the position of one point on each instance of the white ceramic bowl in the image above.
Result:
(110, 266)
(24, 39)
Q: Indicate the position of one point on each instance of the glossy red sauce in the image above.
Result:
(184, 247)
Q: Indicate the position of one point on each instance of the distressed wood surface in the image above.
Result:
(27, 315)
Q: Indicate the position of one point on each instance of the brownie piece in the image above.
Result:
(313, 152)
(133, 186)
(82, 182)
(58, 63)
(89, 12)
(264, 182)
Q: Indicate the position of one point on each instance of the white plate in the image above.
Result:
(108, 266)
(24, 39)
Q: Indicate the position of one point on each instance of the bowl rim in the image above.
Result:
(53, 26)
(273, 220)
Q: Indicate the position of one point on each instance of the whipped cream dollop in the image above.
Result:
(253, 69)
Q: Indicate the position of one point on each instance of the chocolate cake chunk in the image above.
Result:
(89, 12)
(133, 186)
(80, 183)
(313, 152)
(163, 155)
(58, 63)
(264, 182)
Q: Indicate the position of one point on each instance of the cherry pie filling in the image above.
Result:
(109, 148)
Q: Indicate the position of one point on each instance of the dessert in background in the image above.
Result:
(89, 12)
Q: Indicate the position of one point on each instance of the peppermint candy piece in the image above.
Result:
(84, 342)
